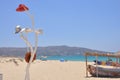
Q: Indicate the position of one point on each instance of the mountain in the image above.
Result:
(48, 51)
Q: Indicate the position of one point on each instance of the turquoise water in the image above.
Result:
(76, 58)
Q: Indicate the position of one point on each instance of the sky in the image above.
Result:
(93, 24)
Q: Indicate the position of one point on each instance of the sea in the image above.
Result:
(75, 58)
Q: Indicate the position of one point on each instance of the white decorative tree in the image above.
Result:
(31, 51)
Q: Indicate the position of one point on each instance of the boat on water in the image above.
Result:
(103, 68)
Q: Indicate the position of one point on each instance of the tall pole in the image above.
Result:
(97, 66)
(86, 66)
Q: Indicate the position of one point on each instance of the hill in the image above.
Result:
(47, 51)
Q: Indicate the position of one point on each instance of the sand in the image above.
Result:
(14, 69)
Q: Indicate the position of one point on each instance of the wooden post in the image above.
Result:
(117, 61)
(86, 66)
(97, 66)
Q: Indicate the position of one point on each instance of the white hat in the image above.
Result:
(17, 29)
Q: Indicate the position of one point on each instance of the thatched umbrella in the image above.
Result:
(117, 56)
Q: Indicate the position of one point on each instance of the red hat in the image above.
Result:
(22, 8)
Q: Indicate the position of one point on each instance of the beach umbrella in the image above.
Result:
(62, 60)
(117, 53)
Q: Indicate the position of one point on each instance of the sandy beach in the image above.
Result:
(14, 69)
